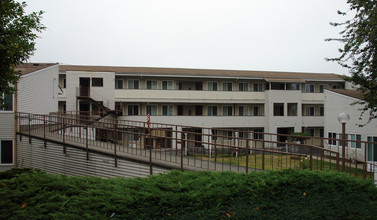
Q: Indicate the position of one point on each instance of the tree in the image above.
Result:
(359, 51)
(17, 34)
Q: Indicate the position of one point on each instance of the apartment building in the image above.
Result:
(358, 130)
(255, 101)
(37, 92)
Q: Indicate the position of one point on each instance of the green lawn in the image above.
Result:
(280, 162)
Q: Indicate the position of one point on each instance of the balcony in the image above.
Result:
(188, 96)
(312, 97)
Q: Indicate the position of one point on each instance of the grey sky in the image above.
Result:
(271, 35)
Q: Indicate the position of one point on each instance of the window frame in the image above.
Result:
(168, 113)
(97, 81)
(167, 84)
(226, 86)
(6, 108)
(152, 108)
(153, 85)
(214, 84)
(211, 110)
(1, 152)
(117, 81)
(243, 86)
(133, 109)
(227, 107)
(133, 82)
(308, 88)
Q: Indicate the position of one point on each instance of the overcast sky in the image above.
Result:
(270, 35)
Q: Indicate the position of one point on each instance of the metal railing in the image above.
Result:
(189, 147)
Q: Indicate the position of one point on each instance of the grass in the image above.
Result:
(280, 162)
(287, 194)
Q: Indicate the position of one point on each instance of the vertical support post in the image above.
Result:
(182, 146)
(150, 151)
(247, 155)
(44, 131)
(115, 142)
(29, 128)
(343, 146)
(86, 141)
(311, 157)
(263, 154)
(64, 148)
(365, 160)
(337, 162)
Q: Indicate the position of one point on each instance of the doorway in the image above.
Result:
(84, 87)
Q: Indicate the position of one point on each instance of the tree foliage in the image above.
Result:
(18, 31)
(358, 53)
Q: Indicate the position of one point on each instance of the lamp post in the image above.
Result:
(343, 118)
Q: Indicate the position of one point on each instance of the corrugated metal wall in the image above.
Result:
(52, 160)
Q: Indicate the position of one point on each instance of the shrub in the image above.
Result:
(188, 195)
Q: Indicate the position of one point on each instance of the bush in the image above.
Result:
(189, 195)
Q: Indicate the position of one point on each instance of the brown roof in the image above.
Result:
(32, 67)
(349, 92)
(201, 72)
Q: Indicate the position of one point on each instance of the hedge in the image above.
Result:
(287, 194)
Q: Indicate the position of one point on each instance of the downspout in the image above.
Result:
(15, 127)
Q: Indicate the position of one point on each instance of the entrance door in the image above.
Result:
(284, 131)
(84, 87)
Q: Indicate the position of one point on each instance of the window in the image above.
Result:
(8, 103)
(167, 110)
(133, 84)
(341, 140)
(152, 109)
(309, 88)
(372, 149)
(258, 133)
(227, 86)
(119, 84)
(6, 152)
(212, 110)
(309, 131)
(243, 133)
(212, 86)
(133, 135)
(258, 110)
(338, 86)
(228, 135)
(332, 137)
(167, 85)
(322, 88)
(309, 110)
(97, 82)
(356, 138)
(292, 109)
(243, 110)
(133, 110)
(64, 83)
(278, 109)
(151, 84)
(227, 111)
(293, 86)
(214, 134)
(258, 87)
(321, 111)
(243, 86)
(321, 133)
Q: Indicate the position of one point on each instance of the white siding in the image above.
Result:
(6, 125)
(38, 91)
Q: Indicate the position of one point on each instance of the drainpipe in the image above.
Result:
(15, 127)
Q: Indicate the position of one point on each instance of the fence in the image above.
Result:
(192, 147)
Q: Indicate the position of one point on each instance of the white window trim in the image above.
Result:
(217, 85)
(7, 111)
(146, 84)
(247, 84)
(167, 85)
